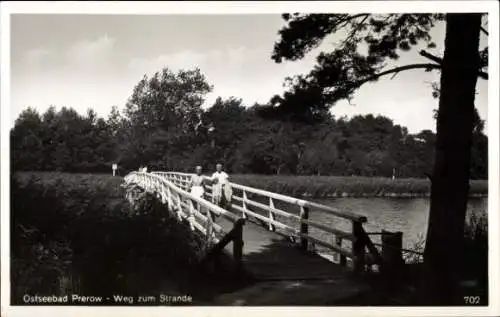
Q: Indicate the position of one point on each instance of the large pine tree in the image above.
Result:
(340, 72)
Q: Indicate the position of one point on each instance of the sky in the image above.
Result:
(94, 61)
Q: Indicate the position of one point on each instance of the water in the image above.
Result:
(409, 215)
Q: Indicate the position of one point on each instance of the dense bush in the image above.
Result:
(475, 256)
(476, 252)
(73, 233)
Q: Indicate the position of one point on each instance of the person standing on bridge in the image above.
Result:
(196, 183)
(221, 190)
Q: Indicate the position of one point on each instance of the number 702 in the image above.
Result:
(472, 300)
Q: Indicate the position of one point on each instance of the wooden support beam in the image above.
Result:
(392, 244)
(271, 214)
(341, 258)
(238, 247)
(358, 247)
(304, 227)
(235, 234)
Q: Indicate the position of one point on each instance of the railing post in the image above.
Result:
(244, 204)
(271, 215)
(304, 227)
(158, 191)
(340, 257)
(358, 247)
(191, 215)
(392, 243)
(179, 208)
(238, 246)
(164, 197)
(169, 199)
(210, 227)
(210, 221)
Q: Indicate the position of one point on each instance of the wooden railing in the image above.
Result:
(197, 213)
(289, 216)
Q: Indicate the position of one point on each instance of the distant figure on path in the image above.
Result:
(196, 183)
(221, 190)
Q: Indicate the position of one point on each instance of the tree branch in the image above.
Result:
(355, 30)
(349, 18)
(439, 60)
(397, 70)
(431, 57)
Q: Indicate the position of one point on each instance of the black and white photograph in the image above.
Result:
(338, 157)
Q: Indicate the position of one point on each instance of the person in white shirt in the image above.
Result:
(221, 190)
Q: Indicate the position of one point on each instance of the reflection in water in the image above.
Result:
(409, 215)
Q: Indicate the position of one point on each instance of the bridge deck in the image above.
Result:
(270, 256)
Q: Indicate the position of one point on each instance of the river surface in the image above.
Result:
(409, 215)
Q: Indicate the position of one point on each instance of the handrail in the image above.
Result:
(287, 199)
(206, 204)
(300, 202)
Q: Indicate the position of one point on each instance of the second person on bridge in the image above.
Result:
(221, 190)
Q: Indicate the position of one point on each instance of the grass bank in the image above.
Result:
(340, 186)
(76, 234)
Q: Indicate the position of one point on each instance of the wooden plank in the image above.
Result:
(267, 208)
(265, 219)
(301, 202)
(333, 247)
(345, 235)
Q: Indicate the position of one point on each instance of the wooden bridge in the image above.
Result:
(271, 236)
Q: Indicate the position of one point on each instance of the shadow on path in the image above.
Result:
(282, 274)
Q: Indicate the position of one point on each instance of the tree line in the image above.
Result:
(164, 127)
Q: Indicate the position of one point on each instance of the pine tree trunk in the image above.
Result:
(450, 180)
